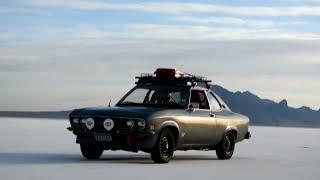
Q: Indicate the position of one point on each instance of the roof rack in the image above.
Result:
(172, 77)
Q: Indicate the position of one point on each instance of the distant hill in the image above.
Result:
(260, 111)
(267, 112)
(40, 114)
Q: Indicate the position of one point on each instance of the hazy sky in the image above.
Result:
(64, 54)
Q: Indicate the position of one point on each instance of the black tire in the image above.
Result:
(225, 148)
(164, 147)
(91, 151)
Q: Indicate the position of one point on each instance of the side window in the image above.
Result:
(215, 106)
(199, 100)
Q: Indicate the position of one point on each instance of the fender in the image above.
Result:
(232, 128)
(167, 124)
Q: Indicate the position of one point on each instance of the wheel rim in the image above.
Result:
(165, 147)
(228, 145)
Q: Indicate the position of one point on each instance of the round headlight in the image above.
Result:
(141, 124)
(108, 124)
(89, 123)
(130, 124)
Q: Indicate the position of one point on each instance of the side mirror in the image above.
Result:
(192, 107)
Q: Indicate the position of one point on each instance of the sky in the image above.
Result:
(66, 54)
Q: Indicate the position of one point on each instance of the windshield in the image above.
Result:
(157, 96)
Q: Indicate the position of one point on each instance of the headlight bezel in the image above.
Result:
(83, 120)
(141, 123)
(130, 123)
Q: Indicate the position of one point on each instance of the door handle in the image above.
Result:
(212, 115)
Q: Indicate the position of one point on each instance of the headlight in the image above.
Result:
(83, 121)
(141, 124)
(108, 124)
(75, 120)
(89, 123)
(130, 124)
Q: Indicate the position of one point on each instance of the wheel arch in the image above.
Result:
(232, 130)
(173, 127)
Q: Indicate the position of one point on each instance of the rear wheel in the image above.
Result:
(225, 148)
(91, 151)
(164, 147)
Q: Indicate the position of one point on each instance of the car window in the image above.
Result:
(221, 101)
(157, 96)
(137, 96)
(198, 98)
(214, 104)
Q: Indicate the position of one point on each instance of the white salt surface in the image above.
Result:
(44, 149)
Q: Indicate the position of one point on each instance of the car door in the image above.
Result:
(216, 111)
(200, 123)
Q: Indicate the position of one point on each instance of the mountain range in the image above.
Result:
(260, 111)
(267, 112)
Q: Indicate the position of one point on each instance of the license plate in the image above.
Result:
(103, 137)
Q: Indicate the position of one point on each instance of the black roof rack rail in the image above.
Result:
(184, 79)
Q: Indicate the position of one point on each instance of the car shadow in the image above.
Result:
(8, 158)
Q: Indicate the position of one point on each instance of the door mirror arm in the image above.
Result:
(190, 108)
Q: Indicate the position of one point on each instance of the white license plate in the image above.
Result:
(102, 137)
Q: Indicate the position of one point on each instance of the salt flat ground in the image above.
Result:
(44, 149)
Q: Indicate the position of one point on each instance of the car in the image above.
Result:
(167, 110)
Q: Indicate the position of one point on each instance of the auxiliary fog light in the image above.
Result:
(89, 123)
(108, 124)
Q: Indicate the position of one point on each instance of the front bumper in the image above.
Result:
(121, 139)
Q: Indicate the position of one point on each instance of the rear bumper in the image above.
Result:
(121, 140)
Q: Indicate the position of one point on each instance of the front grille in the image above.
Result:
(119, 124)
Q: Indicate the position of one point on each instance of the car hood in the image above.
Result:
(116, 111)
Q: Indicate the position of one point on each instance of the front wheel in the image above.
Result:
(164, 147)
(226, 146)
(91, 151)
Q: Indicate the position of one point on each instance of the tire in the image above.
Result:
(164, 147)
(91, 151)
(225, 148)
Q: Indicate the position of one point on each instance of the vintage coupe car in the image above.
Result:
(166, 111)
